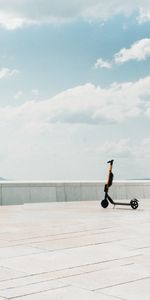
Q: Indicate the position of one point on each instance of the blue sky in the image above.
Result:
(75, 88)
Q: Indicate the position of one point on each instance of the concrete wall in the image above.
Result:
(34, 192)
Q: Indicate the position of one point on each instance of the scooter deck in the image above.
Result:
(121, 203)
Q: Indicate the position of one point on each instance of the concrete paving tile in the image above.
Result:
(44, 240)
(38, 278)
(68, 273)
(67, 243)
(143, 261)
(135, 244)
(16, 251)
(30, 289)
(51, 261)
(72, 242)
(139, 290)
(8, 274)
(67, 293)
(109, 264)
(107, 277)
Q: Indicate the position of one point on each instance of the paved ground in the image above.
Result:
(74, 251)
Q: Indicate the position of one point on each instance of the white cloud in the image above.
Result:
(11, 22)
(35, 92)
(138, 51)
(125, 148)
(144, 15)
(147, 109)
(6, 73)
(18, 94)
(120, 148)
(15, 14)
(100, 63)
(45, 139)
(143, 152)
(87, 104)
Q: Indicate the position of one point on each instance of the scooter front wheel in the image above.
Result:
(134, 203)
(104, 203)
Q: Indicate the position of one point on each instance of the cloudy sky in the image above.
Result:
(74, 89)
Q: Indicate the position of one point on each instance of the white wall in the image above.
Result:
(34, 192)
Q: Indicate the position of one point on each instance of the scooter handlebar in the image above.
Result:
(110, 162)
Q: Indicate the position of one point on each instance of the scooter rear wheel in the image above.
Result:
(134, 203)
(104, 203)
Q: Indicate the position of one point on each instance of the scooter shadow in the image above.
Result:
(125, 208)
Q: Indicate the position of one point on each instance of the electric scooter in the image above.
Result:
(104, 203)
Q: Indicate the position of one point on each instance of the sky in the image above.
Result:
(74, 89)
